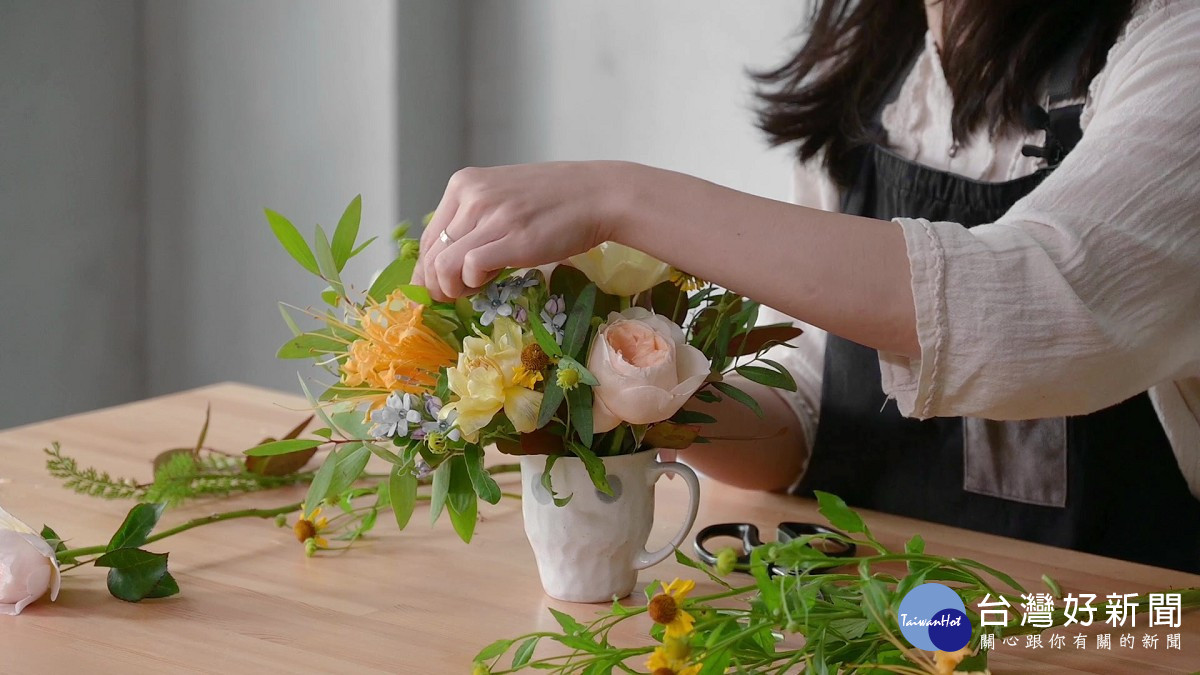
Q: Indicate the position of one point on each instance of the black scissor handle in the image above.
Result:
(747, 533)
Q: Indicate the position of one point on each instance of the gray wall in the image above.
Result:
(139, 141)
(277, 103)
(656, 81)
(71, 291)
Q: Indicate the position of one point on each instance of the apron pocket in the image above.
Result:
(1023, 461)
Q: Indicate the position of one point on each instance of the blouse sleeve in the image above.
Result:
(1087, 291)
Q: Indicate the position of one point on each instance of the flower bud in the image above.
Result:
(726, 559)
(568, 378)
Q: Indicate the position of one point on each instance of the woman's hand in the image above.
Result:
(517, 216)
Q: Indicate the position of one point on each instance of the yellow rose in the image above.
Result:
(28, 566)
(645, 367)
(487, 380)
(620, 270)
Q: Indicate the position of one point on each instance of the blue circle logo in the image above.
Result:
(932, 617)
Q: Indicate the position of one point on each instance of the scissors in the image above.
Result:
(748, 534)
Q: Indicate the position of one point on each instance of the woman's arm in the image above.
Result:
(772, 463)
(846, 274)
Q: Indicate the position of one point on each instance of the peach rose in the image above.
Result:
(28, 567)
(645, 368)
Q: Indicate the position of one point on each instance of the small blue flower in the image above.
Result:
(421, 469)
(520, 314)
(491, 304)
(554, 317)
(396, 417)
(512, 287)
(444, 427)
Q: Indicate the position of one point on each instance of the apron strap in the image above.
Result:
(1061, 122)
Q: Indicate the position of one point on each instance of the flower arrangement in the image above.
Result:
(594, 357)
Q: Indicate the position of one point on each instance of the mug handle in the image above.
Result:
(646, 558)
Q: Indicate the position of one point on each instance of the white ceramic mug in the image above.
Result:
(591, 549)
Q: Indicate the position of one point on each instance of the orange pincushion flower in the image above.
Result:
(396, 350)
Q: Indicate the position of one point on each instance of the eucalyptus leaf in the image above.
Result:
(579, 321)
(485, 486)
(318, 489)
(441, 486)
(292, 241)
(579, 402)
(346, 232)
(739, 396)
(402, 491)
(595, 467)
(398, 273)
(283, 447)
(325, 263)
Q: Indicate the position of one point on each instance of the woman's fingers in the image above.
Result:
(442, 217)
(446, 282)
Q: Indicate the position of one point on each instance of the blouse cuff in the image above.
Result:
(913, 383)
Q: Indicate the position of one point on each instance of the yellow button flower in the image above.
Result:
(672, 659)
(665, 608)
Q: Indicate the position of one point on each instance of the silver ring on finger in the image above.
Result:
(445, 238)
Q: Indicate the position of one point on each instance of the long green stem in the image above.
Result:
(195, 522)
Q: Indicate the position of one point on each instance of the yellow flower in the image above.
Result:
(619, 270)
(526, 378)
(672, 658)
(395, 349)
(945, 663)
(684, 281)
(665, 608)
(311, 526)
(488, 378)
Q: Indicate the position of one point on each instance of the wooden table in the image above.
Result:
(417, 601)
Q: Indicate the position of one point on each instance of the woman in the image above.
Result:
(998, 257)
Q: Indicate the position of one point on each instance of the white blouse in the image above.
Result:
(1107, 251)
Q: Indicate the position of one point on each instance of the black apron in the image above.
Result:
(1111, 484)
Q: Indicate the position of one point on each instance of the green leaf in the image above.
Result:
(1051, 584)
(398, 273)
(568, 623)
(485, 486)
(838, 514)
(594, 466)
(166, 587)
(739, 396)
(493, 650)
(349, 462)
(283, 447)
(312, 402)
(329, 296)
(325, 263)
(138, 524)
(544, 339)
(292, 242)
(418, 294)
(579, 402)
(352, 424)
(346, 232)
(287, 318)
(461, 501)
(133, 573)
(578, 321)
(552, 398)
(441, 486)
(362, 246)
(545, 481)
(310, 345)
(318, 489)
(716, 662)
(767, 376)
(683, 559)
(524, 653)
(402, 490)
(915, 545)
(692, 417)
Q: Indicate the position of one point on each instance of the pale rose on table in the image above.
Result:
(28, 567)
(645, 368)
(619, 270)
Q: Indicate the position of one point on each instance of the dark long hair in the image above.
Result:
(995, 55)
